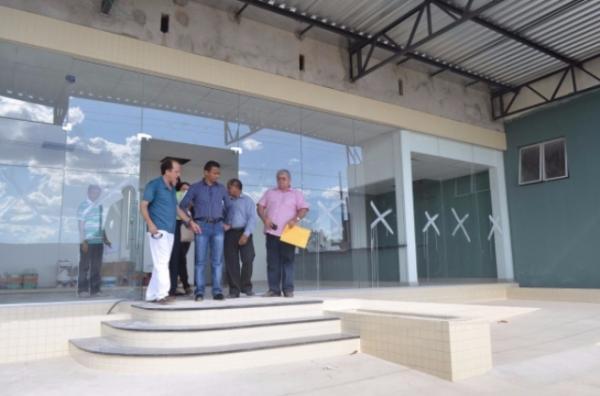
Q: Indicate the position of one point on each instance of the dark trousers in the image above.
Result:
(280, 265)
(90, 264)
(178, 261)
(238, 281)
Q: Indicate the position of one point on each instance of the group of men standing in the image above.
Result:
(223, 220)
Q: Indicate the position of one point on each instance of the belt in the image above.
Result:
(210, 221)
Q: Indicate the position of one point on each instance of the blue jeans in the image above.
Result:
(280, 265)
(212, 236)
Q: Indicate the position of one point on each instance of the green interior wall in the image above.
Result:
(555, 225)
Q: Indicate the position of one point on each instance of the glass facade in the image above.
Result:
(70, 127)
(452, 207)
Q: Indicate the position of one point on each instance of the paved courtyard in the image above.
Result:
(553, 350)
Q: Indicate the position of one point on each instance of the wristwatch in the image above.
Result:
(298, 219)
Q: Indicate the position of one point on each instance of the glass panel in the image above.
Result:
(71, 130)
(30, 207)
(31, 144)
(186, 113)
(325, 181)
(373, 208)
(453, 220)
(263, 150)
(555, 159)
(530, 165)
(101, 209)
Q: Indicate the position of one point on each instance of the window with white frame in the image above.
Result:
(544, 161)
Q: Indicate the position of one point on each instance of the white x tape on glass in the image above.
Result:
(431, 222)
(460, 224)
(495, 226)
(381, 218)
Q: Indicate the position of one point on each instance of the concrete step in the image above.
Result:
(147, 334)
(249, 309)
(103, 353)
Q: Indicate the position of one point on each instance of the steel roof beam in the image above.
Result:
(360, 68)
(557, 84)
(347, 32)
(508, 33)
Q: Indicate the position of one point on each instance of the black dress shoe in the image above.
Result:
(288, 294)
(199, 297)
(218, 297)
(271, 293)
(233, 295)
(249, 293)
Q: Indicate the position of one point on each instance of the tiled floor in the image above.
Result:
(552, 350)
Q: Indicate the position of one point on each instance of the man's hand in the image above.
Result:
(195, 228)
(243, 240)
(226, 227)
(268, 223)
(84, 247)
(152, 229)
(292, 223)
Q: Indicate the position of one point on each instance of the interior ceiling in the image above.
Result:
(437, 168)
(40, 77)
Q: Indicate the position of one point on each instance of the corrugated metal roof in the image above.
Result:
(570, 28)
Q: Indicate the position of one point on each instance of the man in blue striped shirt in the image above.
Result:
(241, 217)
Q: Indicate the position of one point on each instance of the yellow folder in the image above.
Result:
(297, 236)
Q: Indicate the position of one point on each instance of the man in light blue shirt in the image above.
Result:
(241, 218)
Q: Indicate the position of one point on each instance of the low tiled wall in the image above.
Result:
(39, 331)
(555, 294)
(447, 347)
(429, 293)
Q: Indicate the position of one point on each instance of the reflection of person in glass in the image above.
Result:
(160, 210)
(277, 208)
(178, 263)
(92, 240)
(238, 240)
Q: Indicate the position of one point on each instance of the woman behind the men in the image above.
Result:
(178, 262)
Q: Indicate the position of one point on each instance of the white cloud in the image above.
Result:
(333, 192)
(252, 144)
(117, 157)
(75, 117)
(25, 110)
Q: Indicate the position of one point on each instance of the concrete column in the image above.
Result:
(405, 211)
(502, 242)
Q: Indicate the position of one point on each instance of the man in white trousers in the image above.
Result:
(159, 209)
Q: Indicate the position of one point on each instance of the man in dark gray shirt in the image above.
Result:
(241, 217)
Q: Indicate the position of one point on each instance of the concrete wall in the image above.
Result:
(210, 32)
(556, 224)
